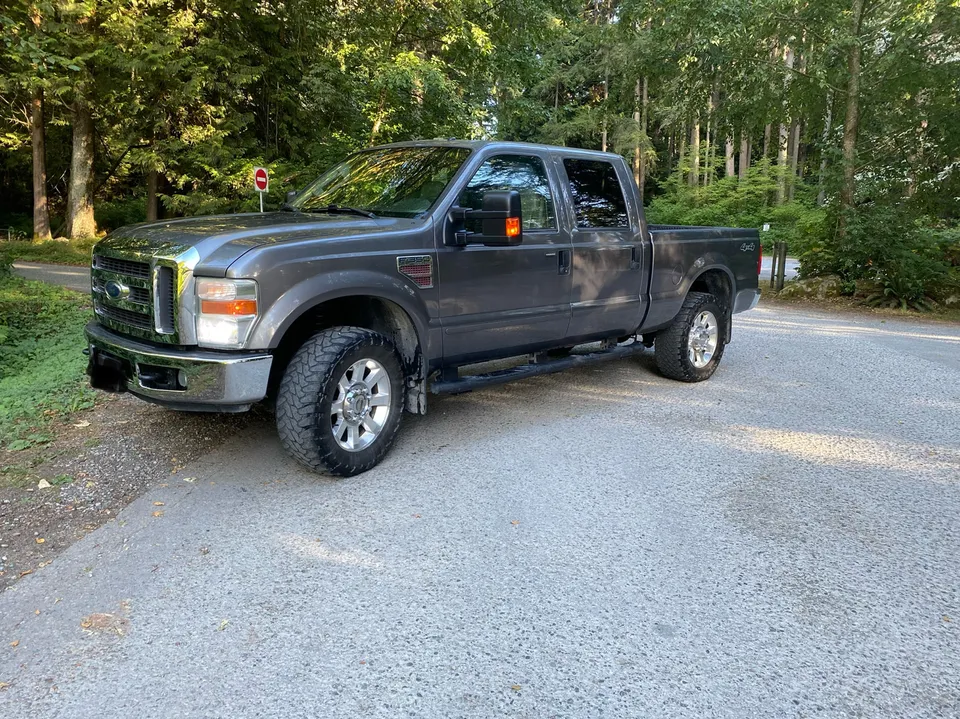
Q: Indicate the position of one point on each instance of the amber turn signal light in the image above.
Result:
(513, 226)
(228, 307)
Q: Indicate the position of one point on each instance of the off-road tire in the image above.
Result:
(670, 346)
(308, 388)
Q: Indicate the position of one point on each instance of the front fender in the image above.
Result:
(314, 291)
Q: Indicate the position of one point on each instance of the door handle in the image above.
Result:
(634, 258)
(564, 262)
(551, 254)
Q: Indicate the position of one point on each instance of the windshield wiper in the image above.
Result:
(343, 209)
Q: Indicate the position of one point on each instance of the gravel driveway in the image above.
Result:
(781, 541)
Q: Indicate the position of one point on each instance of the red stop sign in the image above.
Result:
(261, 180)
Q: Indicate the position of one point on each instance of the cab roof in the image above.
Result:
(501, 145)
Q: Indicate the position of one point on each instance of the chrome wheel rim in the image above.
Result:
(703, 339)
(361, 405)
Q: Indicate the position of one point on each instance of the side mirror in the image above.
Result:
(501, 221)
(291, 196)
(501, 218)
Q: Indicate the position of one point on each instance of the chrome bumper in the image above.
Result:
(204, 380)
(746, 300)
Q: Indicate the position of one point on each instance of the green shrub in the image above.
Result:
(884, 243)
(729, 202)
(58, 252)
(116, 213)
(41, 367)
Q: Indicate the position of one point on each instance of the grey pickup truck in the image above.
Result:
(397, 272)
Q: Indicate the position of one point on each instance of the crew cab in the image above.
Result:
(387, 278)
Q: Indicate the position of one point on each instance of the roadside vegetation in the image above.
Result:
(56, 252)
(41, 368)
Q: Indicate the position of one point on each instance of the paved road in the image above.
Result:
(789, 270)
(781, 541)
(74, 278)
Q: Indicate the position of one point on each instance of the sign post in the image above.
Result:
(261, 182)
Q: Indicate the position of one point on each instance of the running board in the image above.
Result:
(472, 382)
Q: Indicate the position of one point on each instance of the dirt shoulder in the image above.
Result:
(99, 461)
(854, 307)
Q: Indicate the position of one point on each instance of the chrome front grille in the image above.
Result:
(130, 268)
(127, 317)
(139, 295)
(144, 305)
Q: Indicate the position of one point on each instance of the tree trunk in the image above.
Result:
(644, 104)
(706, 159)
(606, 94)
(694, 176)
(728, 153)
(794, 158)
(744, 154)
(41, 213)
(80, 222)
(636, 145)
(851, 123)
(782, 143)
(151, 195)
(766, 141)
(827, 126)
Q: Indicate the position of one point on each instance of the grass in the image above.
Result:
(42, 370)
(55, 252)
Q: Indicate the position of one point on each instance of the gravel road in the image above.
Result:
(781, 541)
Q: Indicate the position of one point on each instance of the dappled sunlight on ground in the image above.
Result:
(316, 549)
(840, 449)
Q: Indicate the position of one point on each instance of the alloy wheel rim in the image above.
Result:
(361, 405)
(703, 339)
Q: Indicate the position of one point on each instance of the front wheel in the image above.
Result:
(341, 400)
(690, 349)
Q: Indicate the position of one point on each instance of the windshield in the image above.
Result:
(393, 181)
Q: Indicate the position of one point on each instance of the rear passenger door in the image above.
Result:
(607, 249)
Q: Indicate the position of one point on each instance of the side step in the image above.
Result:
(472, 382)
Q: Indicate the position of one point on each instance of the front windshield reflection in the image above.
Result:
(392, 181)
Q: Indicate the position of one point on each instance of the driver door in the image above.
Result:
(503, 301)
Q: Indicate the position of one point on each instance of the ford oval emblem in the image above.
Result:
(115, 290)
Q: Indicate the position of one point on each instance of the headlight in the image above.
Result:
(226, 311)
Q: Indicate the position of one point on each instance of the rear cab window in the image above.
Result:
(598, 198)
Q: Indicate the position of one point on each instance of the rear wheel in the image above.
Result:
(341, 400)
(690, 349)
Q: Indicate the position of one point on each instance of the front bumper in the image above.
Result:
(197, 380)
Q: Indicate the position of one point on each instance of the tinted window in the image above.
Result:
(524, 174)
(597, 195)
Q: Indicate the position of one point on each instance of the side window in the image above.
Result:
(522, 173)
(597, 195)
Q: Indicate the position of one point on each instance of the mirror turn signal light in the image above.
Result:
(513, 226)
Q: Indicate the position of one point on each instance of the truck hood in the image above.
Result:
(219, 240)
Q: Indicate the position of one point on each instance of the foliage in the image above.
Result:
(41, 371)
(57, 252)
(747, 203)
(886, 243)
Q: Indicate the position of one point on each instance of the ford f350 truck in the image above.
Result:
(385, 279)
